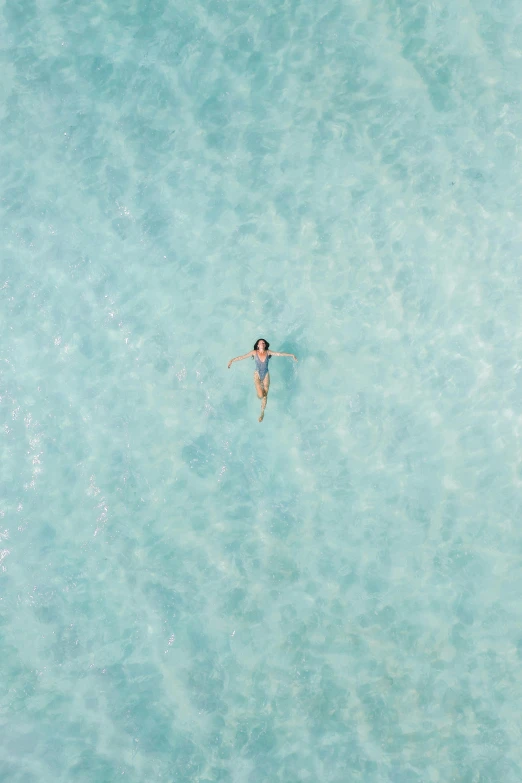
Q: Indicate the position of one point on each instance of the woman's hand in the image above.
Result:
(294, 357)
(239, 358)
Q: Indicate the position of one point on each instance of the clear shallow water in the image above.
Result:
(333, 595)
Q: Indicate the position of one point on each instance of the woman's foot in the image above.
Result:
(262, 416)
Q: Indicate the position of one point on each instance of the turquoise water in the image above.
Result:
(332, 595)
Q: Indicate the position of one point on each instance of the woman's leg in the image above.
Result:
(259, 386)
(266, 386)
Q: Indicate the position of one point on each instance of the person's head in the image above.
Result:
(265, 345)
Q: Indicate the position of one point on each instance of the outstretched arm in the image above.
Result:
(277, 353)
(239, 358)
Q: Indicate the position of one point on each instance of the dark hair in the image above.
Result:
(265, 342)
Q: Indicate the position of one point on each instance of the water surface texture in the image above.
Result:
(333, 595)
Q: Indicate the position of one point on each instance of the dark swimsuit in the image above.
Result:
(262, 367)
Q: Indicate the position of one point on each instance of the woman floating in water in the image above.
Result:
(261, 354)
